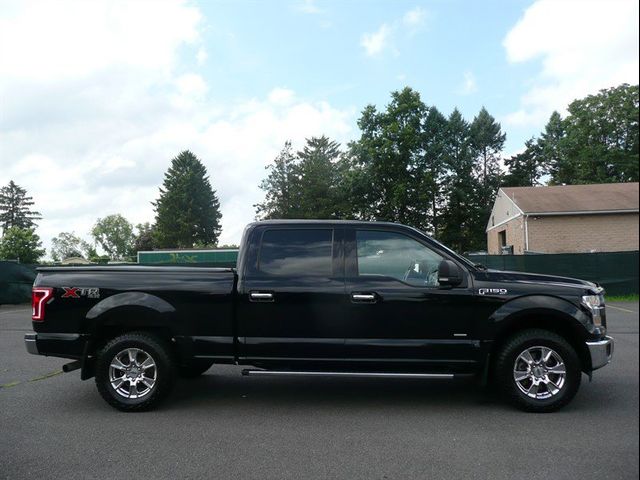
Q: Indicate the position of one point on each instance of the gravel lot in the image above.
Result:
(223, 426)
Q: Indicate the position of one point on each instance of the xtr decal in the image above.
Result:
(77, 292)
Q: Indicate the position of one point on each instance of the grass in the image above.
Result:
(622, 298)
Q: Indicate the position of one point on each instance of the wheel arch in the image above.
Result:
(123, 313)
(543, 312)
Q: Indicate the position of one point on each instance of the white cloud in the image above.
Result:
(71, 39)
(374, 43)
(415, 17)
(201, 56)
(309, 7)
(97, 140)
(468, 85)
(583, 46)
(383, 38)
(281, 96)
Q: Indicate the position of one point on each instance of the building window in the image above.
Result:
(502, 238)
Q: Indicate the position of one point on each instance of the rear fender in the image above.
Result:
(125, 312)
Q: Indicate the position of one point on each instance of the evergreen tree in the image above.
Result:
(280, 186)
(15, 208)
(318, 174)
(487, 142)
(526, 168)
(432, 167)
(458, 220)
(187, 210)
(551, 149)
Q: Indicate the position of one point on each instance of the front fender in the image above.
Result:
(546, 307)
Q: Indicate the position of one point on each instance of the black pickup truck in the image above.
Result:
(321, 298)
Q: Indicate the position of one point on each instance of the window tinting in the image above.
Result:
(296, 252)
(395, 255)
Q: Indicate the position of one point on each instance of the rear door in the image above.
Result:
(291, 299)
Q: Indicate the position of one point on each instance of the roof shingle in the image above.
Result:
(605, 197)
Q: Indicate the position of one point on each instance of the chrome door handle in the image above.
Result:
(261, 296)
(363, 297)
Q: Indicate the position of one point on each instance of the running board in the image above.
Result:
(298, 373)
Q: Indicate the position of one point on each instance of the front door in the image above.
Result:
(398, 315)
(292, 298)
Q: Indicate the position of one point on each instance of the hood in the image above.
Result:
(524, 277)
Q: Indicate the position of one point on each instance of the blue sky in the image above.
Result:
(97, 97)
(450, 51)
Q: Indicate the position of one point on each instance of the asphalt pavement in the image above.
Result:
(224, 426)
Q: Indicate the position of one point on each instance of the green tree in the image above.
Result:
(432, 167)
(387, 161)
(599, 139)
(550, 148)
(526, 168)
(21, 244)
(15, 208)
(318, 179)
(188, 209)
(461, 187)
(145, 238)
(487, 142)
(67, 245)
(280, 187)
(115, 235)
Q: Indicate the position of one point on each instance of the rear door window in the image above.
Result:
(297, 252)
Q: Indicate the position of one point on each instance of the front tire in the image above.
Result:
(538, 371)
(135, 371)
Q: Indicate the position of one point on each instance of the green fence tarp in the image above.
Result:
(222, 257)
(617, 272)
(15, 282)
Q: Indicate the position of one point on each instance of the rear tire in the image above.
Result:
(194, 368)
(538, 371)
(135, 371)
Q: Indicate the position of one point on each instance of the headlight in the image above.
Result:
(595, 304)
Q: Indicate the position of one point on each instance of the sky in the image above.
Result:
(97, 97)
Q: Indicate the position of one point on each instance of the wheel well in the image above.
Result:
(557, 325)
(119, 324)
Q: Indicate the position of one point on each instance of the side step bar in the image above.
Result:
(297, 373)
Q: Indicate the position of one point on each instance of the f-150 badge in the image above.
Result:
(77, 292)
(492, 291)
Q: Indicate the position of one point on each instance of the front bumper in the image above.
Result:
(601, 352)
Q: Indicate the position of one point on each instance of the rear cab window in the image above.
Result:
(296, 252)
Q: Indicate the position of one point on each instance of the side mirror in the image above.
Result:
(449, 274)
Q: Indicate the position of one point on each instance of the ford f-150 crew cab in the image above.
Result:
(323, 298)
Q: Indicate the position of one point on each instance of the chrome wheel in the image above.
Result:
(133, 373)
(539, 372)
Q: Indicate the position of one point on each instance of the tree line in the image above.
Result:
(187, 215)
(414, 165)
(411, 164)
